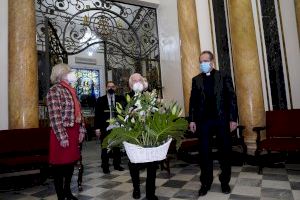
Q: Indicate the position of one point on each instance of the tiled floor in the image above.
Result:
(246, 184)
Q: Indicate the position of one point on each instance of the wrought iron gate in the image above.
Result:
(125, 34)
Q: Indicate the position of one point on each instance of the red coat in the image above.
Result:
(60, 155)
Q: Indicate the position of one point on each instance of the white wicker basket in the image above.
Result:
(138, 154)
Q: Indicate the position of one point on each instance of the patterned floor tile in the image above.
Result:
(182, 177)
(242, 197)
(277, 193)
(267, 170)
(249, 182)
(296, 194)
(276, 184)
(93, 192)
(108, 184)
(295, 185)
(246, 191)
(126, 187)
(275, 177)
(215, 196)
(174, 184)
(186, 194)
(192, 185)
(249, 169)
(182, 183)
(111, 195)
(166, 191)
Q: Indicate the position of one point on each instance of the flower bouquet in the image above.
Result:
(146, 127)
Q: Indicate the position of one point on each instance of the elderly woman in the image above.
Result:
(67, 129)
(137, 83)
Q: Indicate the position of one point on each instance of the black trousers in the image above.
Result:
(62, 175)
(151, 167)
(116, 154)
(206, 130)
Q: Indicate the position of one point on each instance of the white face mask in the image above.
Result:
(138, 87)
(71, 77)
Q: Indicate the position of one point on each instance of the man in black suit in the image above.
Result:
(104, 110)
(213, 110)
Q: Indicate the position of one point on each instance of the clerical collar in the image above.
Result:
(209, 73)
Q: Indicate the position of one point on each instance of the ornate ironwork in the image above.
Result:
(57, 54)
(128, 31)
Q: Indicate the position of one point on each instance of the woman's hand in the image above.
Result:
(81, 137)
(193, 127)
(64, 143)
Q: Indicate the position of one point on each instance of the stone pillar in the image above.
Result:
(297, 9)
(246, 69)
(23, 83)
(190, 48)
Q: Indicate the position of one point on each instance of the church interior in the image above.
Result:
(255, 42)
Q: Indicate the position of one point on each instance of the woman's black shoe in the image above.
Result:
(203, 190)
(136, 194)
(106, 171)
(225, 188)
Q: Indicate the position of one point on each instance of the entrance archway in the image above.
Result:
(125, 34)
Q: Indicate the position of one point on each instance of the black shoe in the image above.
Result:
(203, 190)
(106, 171)
(225, 188)
(136, 194)
(152, 198)
(119, 168)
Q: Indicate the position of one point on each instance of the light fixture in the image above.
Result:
(85, 20)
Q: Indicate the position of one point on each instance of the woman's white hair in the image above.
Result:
(141, 79)
(58, 72)
(146, 84)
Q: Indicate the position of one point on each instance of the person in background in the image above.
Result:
(213, 110)
(105, 110)
(67, 129)
(137, 83)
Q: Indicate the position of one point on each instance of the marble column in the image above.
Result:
(189, 48)
(246, 69)
(23, 83)
(297, 9)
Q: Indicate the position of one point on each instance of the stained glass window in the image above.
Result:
(87, 86)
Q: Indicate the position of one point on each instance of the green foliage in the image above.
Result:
(146, 121)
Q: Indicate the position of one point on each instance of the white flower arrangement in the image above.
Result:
(146, 121)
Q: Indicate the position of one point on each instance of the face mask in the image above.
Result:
(111, 91)
(138, 87)
(71, 77)
(205, 67)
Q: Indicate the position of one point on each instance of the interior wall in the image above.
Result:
(169, 45)
(205, 25)
(4, 65)
(291, 48)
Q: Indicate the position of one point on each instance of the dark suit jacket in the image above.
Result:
(102, 112)
(226, 104)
